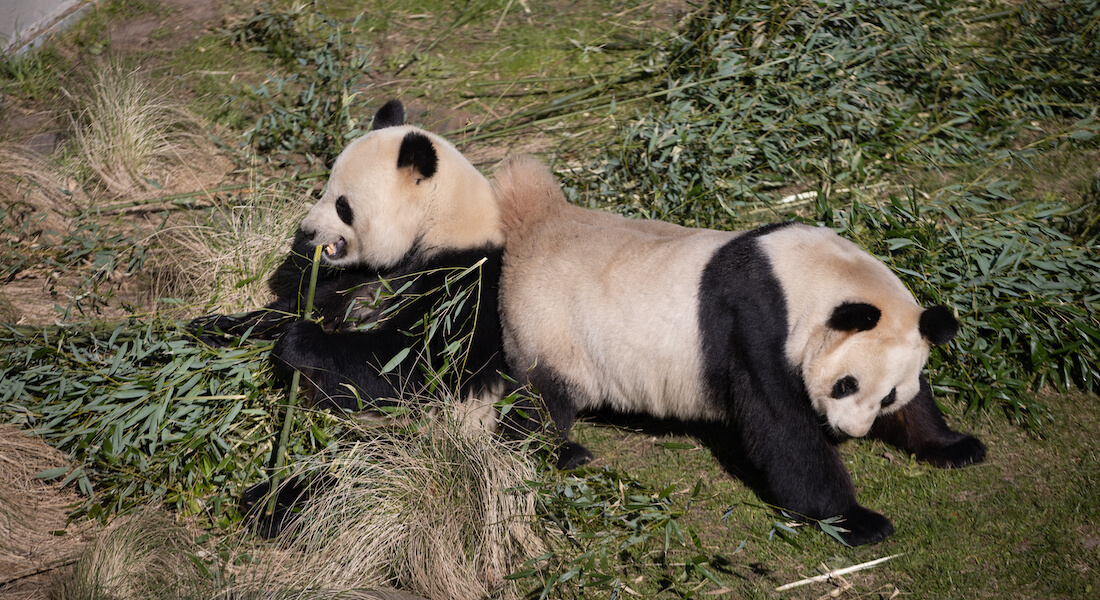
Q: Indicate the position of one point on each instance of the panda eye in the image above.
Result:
(890, 398)
(845, 386)
(343, 210)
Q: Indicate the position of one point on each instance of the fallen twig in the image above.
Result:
(44, 568)
(837, 573)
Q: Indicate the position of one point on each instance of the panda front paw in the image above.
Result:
(967, 450)
(573, 455)
(210, 330)
(864, 526)
(296, 345)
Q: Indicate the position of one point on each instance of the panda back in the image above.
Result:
(611, 305)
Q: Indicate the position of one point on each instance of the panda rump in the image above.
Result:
(787, 336)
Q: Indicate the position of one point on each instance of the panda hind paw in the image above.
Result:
(864, 526)
(573, 455)
(967, 450)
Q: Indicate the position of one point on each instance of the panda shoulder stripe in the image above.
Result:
(527, 192)
(769, 228)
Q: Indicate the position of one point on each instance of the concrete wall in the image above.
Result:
(26, 23)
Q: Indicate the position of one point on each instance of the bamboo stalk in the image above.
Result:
(187, 198)
(836, 573)
(292, 398)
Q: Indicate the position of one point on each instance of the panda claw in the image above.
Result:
(968, 450)
(865, 526)
(573, 455)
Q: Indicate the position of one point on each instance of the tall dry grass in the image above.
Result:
(443, 512)
(35, 196)
(138, 557)
(132, 138)
(35, 534)
(224, 261)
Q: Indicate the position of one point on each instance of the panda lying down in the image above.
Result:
(788, 337)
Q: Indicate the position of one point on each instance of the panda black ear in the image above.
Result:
(938, 325)
(392, 114)
(418, 152)
(854, 316)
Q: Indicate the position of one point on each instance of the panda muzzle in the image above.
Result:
(336, 250)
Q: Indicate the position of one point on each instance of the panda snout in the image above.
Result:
(855, 429)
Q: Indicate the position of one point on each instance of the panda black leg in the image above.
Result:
(864, 526)
(919, 428)
(808, 479)
(795, 462)
(558, 400)
(572, 455)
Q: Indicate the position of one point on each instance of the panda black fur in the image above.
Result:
(404, 207)
(788, 336)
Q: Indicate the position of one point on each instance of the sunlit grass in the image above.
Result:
(443, 511)
(130, 137)
(223, 260)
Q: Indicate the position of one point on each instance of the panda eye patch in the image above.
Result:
(890, 398)
(343, 210)
(845, 386)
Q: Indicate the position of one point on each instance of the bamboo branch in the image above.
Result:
(8, 579)
(837, 573)
(292, 397)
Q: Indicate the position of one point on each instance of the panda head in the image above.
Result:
(400, 190)
(870, 360)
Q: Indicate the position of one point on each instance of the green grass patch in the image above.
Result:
(202, 67)
(1021, 525)
(35, 74)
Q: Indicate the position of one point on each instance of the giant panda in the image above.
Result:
(789, 337)
(406, 224)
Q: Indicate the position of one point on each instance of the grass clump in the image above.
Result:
(34, 74)
(37, 201)
(131, 138)
(139, 557)
(224, 260)
(443, 511)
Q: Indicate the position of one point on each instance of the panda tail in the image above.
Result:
(526, 191)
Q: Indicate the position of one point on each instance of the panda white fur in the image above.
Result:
(789, 336)
(403, 206)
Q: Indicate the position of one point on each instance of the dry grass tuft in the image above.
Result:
(226, 263)
(443, 512)
(35, 535)
(138, 557)
(133, 139)
(36, 198)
